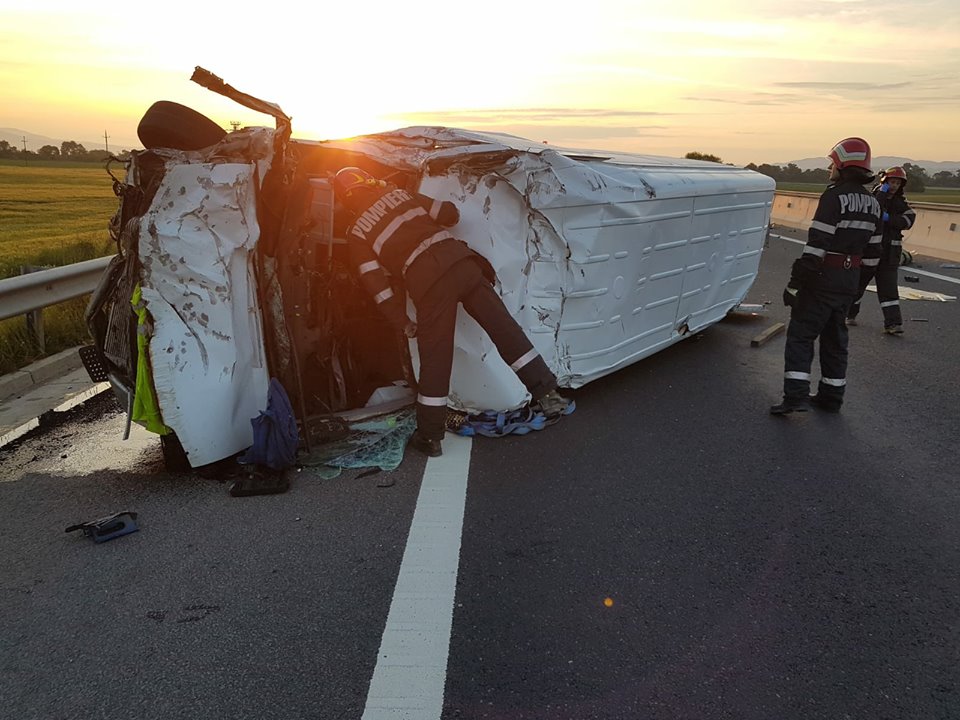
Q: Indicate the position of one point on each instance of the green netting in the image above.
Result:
(377, 443)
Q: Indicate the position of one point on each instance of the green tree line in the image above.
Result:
(68, 150)
(918, 180)
(917, 177)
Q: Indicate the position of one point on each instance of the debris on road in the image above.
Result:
(259, 480)
(108, 528)
(375, 443)
(914, 294)
(912, 278)
(765, 336)
(748, 309)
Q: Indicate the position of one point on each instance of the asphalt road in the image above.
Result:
(668, 551)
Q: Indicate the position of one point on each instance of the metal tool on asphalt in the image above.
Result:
(748, 309)
(108, 528)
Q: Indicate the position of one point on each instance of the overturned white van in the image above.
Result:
(238, 255)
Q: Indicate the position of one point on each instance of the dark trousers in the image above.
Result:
(816, 315)
(887, 292)
(436, 322)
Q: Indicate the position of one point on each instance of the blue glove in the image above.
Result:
(885, 216)
(885, 187)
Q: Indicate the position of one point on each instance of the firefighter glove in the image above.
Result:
(790, 296)
(805, 269)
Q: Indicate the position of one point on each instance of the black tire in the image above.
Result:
(171, 125)
(174, 456)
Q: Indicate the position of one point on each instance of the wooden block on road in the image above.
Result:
(770, 332)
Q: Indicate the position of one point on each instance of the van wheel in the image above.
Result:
(171, 125)
(174, 456)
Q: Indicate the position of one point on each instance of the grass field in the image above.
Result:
(932, 194)
(51, 215)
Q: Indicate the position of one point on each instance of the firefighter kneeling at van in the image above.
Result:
(404, 234)
(825, 279)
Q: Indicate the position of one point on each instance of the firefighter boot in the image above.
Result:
(428, 447)
(790, 405)
(827, 404)
(553, 404)
(894, 330)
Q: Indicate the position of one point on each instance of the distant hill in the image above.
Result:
(35, 142)
(883, 161)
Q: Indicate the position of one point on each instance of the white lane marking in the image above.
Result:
(788, 239)
(905, 268)
(411, 670)
(909, 269)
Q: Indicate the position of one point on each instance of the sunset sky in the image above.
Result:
(777, 83)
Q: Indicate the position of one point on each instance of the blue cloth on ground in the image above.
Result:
(275, 434)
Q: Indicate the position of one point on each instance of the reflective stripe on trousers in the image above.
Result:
(436, 325)
(816, 316)
(887, 293)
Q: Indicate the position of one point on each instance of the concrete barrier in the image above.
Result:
(38, 373)
(936, 232)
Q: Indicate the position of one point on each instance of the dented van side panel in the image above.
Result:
(601, 263)
(206, 350)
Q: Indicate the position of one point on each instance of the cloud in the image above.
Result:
(580, 133)
(822, 85)
(846, 11)
(755, 99)
(513, 115)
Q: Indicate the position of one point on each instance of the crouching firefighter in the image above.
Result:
(403, 234)
(825, 280)
(897, 217)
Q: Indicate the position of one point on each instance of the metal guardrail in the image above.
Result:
(35, 291)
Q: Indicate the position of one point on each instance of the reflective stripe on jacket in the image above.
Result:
(405, 235)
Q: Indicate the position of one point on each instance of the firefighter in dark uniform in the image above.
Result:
(897, 217)
(825, 279)
(404, 234)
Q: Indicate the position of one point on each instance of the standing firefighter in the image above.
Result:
(897, 217)
(404, 234)
(825, 279)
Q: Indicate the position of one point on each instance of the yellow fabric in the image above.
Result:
(146, 411)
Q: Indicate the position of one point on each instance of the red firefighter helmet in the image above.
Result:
(349, 179)
(851, 152)
(894, 172)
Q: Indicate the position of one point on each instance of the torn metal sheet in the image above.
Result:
(206, 350)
